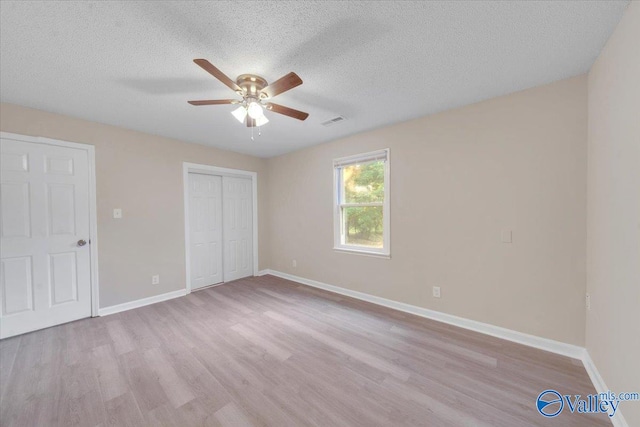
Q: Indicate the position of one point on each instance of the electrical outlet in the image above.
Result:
(436, 291)
(294, 263)
(588, 301)
(155, 280)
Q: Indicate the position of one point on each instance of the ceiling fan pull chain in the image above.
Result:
(252, 133)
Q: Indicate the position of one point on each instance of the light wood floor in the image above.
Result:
(265, 351)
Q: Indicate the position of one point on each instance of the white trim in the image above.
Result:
(564, 349)
(93, 216)
(618, 419)
(591, 369)
(385, 251)
(142, 302)
(263, 272)
(362, 252)
(371, 156)
(546, 344)
(362, 205)
(93, 223)
(215, 170)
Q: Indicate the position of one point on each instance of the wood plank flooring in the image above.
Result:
(268, 352)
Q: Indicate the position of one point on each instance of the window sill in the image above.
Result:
(363, 252)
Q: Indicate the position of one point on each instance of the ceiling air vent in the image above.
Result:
(333, 121)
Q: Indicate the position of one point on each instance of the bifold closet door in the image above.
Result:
(205, 223)
(237, 228)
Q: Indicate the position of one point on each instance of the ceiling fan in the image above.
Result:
(255, 92)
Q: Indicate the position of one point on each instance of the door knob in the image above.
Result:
(82, 242)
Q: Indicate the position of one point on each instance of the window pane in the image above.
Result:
(363, 226)
(363, 183)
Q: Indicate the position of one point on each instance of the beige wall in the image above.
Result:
(142, 174)
(457, 179)
(613, 226)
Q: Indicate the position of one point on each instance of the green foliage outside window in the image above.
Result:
(364, 183)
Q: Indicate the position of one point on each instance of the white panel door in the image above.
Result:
(238, 228)
(44, 219)
(205, 224)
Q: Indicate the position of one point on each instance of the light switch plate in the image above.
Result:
(506, 236)
(117, 213)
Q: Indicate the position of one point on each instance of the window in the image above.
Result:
(361, 220)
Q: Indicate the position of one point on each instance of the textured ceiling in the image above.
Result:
(129, 64)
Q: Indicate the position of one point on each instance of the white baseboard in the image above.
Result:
(594, 375)
(546, 344)
(617, 420)
(141, 302)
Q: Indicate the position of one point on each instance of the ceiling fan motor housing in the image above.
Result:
(251, 86)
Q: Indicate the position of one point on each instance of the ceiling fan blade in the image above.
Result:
(283, 84)
(208, 67)
(214, 102)
(251, 122)
(281, 109)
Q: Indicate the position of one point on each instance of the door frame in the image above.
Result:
(93, 218)
(188, 168)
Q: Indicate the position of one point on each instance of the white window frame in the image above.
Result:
(338, 205)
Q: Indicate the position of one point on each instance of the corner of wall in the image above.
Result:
(613, 208)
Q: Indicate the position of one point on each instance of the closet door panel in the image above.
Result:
(237, 228)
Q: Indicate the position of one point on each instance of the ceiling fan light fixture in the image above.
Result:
(255, 110)
(254, 90)
(240, 113)
(262, 120)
